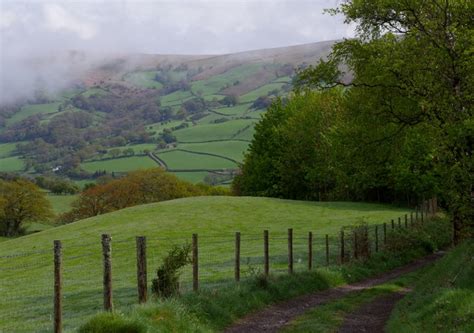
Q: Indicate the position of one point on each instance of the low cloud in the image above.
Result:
(42, 29)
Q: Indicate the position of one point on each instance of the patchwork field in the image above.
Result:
(122, 164)
(220, 91)
(26, 274)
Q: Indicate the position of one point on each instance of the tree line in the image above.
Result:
(387, 117)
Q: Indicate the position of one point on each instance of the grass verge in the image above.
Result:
(443, 298)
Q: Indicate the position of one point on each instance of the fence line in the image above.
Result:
(274, 253)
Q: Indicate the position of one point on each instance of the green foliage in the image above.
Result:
(166, 283)
(291, 155)
(21, 201)
(112, 323)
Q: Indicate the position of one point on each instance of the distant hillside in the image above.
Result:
(193, 114)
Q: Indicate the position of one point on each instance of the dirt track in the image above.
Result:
(274, 317)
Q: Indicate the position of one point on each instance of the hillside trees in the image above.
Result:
(407, 128)
(139, 187)
(291, 154)
(21, 201)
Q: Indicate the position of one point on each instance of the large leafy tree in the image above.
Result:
(411, 69)
(21, 201)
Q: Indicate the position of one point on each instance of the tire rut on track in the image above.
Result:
(275, 317)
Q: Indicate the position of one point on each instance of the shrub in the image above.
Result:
(166, 283)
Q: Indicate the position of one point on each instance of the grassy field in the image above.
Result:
(183, 160)
(11, 164)
(61, 203)
(214, 84)
(121, 164)
(237, 110)
(33, 109)
(6, 149)
(175, 98)
(231, 149)
(207, 132)
(26, 263)
(262, 91)
(143, 79)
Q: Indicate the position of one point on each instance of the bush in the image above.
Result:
(166, 283)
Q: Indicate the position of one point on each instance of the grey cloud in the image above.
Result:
(39, 28)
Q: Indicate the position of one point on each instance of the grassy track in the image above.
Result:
(329, 317)
(26, 280)
(122, 164)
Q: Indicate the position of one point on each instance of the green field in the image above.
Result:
(121, 164)
(214, 84)
(237, 110)
(94, 91)
(143, 79)
(175, 98)
(262, 91)
(232, 149)
(207, 132)
(6, 149)
(11, 164)
(61, 203)
(138, 148)
(176, 159)
(33, 109)
(26, 274)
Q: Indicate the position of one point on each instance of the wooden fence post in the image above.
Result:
(411, 219)
(393, 224)
(385, 233)
(310, 250)
(422, 216)
(266, 258)
(58, 327)
(290, 251)
(237, 256)
(416, 214)
(195, 263)
(141, 269)
(327, 250)
(399, 222)
(107, 257)
(342, 246)
(406, 221)
(376, 238)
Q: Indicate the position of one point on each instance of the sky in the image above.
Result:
(36, 28)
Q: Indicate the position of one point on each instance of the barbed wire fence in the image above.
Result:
(66, 284)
